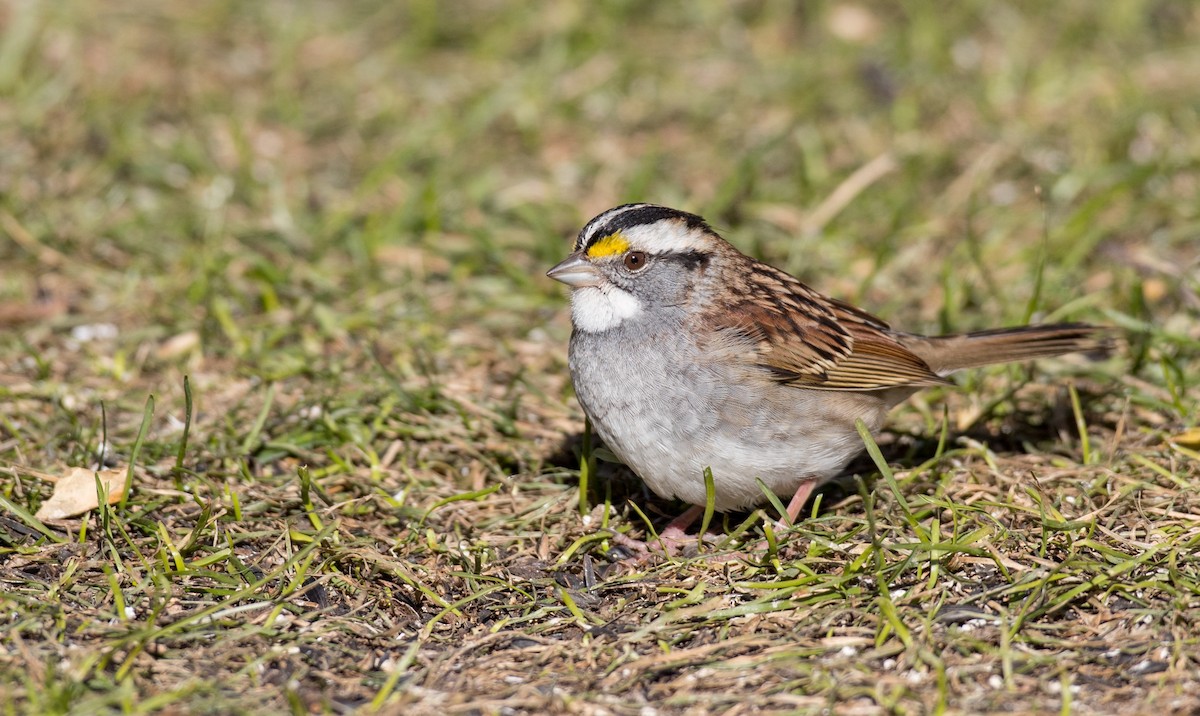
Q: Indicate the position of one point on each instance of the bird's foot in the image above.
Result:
(673, 541)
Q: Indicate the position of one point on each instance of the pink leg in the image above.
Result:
(803, 492)
(676, 531)
(798, 500)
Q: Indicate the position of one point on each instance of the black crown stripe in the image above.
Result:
(629, 215)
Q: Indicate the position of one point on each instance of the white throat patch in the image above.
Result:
(595, 309)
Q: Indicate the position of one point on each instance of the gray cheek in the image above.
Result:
(662, 285)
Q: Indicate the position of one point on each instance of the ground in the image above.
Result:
(283, 264)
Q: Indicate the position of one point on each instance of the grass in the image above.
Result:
(283, 262)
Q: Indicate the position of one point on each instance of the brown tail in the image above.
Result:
(946, 354)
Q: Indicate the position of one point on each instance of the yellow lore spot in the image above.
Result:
(608, 246)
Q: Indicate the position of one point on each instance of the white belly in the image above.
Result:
(669, 420)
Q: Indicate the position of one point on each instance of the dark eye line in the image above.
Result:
(690, 260)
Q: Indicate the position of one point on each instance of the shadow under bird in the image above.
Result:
(687, 354)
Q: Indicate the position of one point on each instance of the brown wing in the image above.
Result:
(811, 341)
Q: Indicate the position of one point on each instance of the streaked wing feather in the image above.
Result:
(878, 362)
(811, 341)
(854, 314)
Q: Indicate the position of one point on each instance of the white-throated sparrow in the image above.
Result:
(687, 354)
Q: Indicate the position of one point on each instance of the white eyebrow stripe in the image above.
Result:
(664, 242)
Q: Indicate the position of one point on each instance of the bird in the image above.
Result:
(688, 355)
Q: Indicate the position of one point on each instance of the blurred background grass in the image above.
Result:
(247, 159)
(335, 217)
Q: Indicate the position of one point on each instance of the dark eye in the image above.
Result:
(635, 260)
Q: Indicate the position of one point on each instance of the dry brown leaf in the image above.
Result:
(16, 313)
(178, 345)
(75, 492)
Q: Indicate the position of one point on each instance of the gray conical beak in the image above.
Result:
(576, 272)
